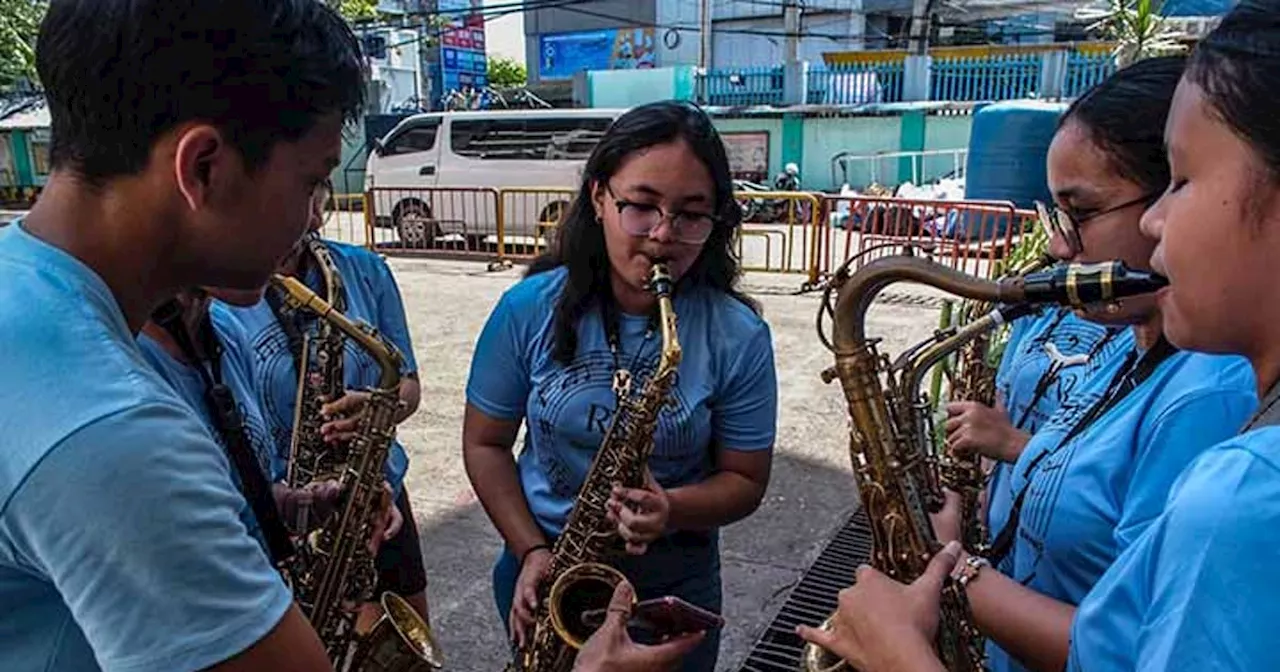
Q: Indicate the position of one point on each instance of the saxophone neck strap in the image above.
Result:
(228, 422)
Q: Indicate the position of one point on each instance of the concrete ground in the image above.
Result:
(809, 495)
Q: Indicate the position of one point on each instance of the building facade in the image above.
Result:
(563, 40)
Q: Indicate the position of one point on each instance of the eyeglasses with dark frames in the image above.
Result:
(640, 219)
(1061, 223)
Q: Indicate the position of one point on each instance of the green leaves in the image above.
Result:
(1137, 26)
(506, 72)
(19, 24)
(355, 10)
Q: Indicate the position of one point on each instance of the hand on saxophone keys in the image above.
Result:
(885, 625)
(306, 508)
(641, 514)
(342, 416)
(387, 522)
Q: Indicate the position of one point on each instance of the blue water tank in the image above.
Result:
(1008, 144)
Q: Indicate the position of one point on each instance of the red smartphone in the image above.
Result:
(662, 616)
(671, 615)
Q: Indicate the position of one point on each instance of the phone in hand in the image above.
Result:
(672, 616)
(663, 616)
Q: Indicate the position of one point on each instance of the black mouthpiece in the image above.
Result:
(1078, 285)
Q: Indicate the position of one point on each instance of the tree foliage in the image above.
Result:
(19, 24)
(506, 72)
(356, 10)
(1137, 26)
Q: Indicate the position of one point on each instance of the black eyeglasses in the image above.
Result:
(1061, 223)
(640, 219)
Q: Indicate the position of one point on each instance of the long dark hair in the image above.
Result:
(580, 245)
(1125, 117)
(1237, 65)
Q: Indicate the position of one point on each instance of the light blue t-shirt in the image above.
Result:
(1091, 497)
(1199, 589)
(121, 545)
(1080, 347)
(726, 392)
(372, 297)
(187, 382)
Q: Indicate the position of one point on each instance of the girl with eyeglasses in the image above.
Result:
(656, 187)
(1090, 482)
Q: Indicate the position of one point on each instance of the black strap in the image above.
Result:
(1050, 375)
(1131, 374)
(230, 425)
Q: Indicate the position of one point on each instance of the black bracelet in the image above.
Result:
(531, 549)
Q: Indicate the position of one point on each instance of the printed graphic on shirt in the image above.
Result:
(1061, 357)
(572, 408)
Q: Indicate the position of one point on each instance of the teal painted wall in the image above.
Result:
(826, 137)
(628, 88)
(949, 132)
(22, 157)
(348, 177)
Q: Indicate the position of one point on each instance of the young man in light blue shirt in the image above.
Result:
(187, 138)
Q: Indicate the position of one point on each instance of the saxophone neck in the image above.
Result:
(860, 289)
(661, 285)
(386, 355)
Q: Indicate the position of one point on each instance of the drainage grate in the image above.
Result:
(813, 599)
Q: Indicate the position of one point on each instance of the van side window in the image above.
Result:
(416, 139)
(545, 139)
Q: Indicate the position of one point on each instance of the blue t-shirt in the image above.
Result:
(1199, 589)
(726, 393)
(187, 382)
(372, 297)
(1079, 347)
(121, 545)
(1092, 496)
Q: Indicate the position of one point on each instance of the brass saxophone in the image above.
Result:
(579, 578)
(334, 571)
(975, 380)
(320, 379)
(888, 440)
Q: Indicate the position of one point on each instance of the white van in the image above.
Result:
(433, 175)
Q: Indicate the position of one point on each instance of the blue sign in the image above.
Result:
(561, 55)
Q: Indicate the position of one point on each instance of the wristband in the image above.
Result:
(973, 565)
(527, 551)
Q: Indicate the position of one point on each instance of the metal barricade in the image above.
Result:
(344, 219)
(452, 222)
(530, 216)
(780, 231)
(969, 236)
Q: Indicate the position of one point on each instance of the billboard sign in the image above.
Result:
(561, 55)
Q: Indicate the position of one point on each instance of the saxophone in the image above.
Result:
(320, 379)
(975, 380)
(888, 440)
(334, 568)
(579, 579)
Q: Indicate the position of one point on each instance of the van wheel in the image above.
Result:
(414, 224)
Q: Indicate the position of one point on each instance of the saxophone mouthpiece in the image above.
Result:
(660, 282)
(1082, 285)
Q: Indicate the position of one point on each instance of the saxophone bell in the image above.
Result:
(581, 589)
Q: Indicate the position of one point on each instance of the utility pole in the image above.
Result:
(794, 86)
(918, 37)
(791, 26)
(704, 33)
